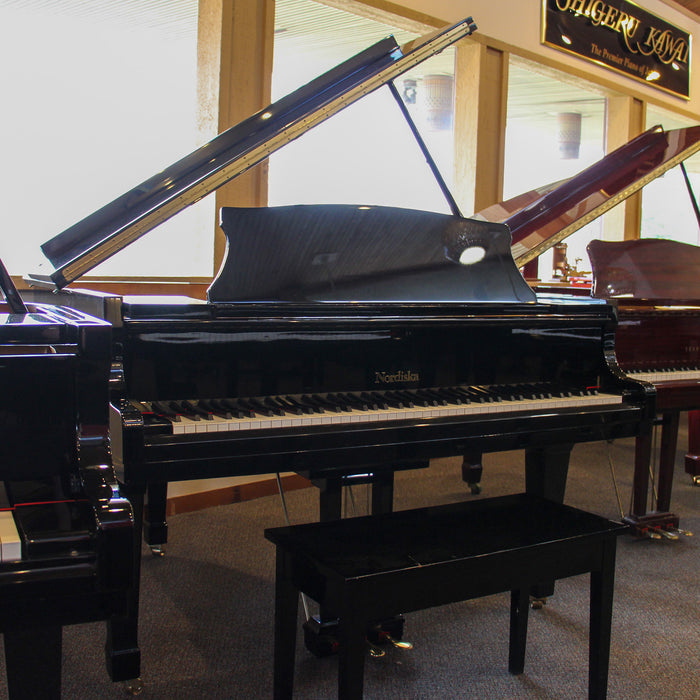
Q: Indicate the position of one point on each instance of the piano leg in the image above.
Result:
(667, 459)
(155, 525)
(692, 458)
(321, 632)
(330, 493)
(33, 662)
(472, 470)
(122, 653)
(659, 522)
(546, 469)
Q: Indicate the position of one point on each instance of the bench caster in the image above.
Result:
(133, 686)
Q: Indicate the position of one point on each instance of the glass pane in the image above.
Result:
(366, 154)
(554, 130)
(677, 222)
(103, 97)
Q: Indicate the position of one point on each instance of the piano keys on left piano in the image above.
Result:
(66, 531)
(342, 341)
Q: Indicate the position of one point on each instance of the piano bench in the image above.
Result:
(371, 568)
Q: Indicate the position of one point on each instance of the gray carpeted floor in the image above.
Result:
(207, 607)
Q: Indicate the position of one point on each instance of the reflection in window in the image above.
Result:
(554, 130)
(101, 96)
(366, 153)
(667, 208)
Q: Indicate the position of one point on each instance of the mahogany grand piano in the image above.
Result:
(653, 284)
(343, 341)
(66, 532)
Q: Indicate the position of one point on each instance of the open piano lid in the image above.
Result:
(113, 227)
(541, 218)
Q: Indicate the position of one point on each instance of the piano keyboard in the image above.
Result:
(10, 543)
(259, 413)
(665, 375)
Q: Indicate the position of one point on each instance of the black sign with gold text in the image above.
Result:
(620, 35)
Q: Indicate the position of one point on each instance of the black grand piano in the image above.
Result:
(66, 532)
(341, 340)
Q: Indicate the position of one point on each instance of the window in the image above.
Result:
(667, 209)
(97, 97)
(366, 154)
(554, 130)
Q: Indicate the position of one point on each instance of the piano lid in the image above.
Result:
(105, 232)
(651, 269)
(541, 218)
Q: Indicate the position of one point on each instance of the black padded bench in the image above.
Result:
(371, 568)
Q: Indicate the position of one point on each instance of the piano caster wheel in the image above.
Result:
(134, 686)
(475, 489)
(537, 603)
(320, 638)
(158, 550)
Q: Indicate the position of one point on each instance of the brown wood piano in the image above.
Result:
(656, 287)
(652, 282)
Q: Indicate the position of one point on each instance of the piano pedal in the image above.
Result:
(686, 533)
(399, 644)
(654, 525)
(133, 686)
(537, 603)
(389, 631)
(374, 651)
(696, 480)
(157, 550)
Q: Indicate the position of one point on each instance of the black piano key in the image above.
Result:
(343, 401)
(272, 404)
(322, 403)
(216, 408)
(303, 407)
(307, 401)
(237, 409)
(194, 409)
(287, 406)
(181, 408)
(377, 399)
(398, 400)
(165, 410)
(451, 396)
(258, 407)
(426, 396)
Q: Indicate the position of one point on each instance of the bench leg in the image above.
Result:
(351, 655)
(286, 607)
(602, 586)
(519, 606)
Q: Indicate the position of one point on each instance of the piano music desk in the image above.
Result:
(371, 568)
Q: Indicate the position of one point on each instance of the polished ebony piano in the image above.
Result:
(343, 341)
(66, 531)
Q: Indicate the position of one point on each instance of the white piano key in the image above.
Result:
(371, 416)
(10, 543)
